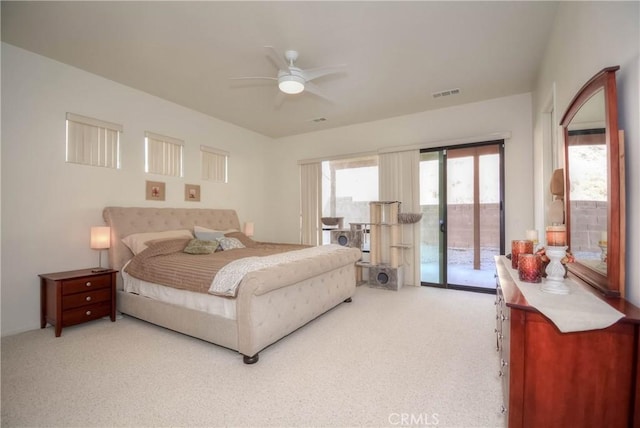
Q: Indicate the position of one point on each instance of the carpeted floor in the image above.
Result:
(417, 357)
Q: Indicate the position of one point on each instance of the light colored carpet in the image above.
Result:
(417, 357)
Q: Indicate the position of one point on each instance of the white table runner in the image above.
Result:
(580, 310)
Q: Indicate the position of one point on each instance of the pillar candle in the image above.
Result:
(532, 235)
(556, 236)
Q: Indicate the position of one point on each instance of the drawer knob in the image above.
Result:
(88, 313)
(500, 374)
(503, 363)
(88, 298)
(503, 317)
(503, 410)
(88, 284)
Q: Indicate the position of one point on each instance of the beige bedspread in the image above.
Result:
(164, 262)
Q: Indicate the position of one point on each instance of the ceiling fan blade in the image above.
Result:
(276, 58)
(315, 90)
(314, 73)
(253, 78)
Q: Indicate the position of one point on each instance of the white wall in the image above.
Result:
(48, 206)
(587, 37)
(429, 129)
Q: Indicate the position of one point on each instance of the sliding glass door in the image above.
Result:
(463, 221)
(433, 254)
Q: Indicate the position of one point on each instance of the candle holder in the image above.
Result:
(520, 246)
(530, 267)
(554, 282)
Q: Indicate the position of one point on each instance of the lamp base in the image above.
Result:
(100, 268)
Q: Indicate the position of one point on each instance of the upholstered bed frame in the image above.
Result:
(271, 302)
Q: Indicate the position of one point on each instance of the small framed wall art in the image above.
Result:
(192, 192)
(155, 191)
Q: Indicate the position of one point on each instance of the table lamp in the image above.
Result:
(100, 240)
(248, 228)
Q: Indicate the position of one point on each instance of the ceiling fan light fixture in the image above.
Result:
(291, 84)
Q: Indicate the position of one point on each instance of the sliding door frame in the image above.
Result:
(443, 210)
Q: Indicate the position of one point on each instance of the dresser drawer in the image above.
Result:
(84, 299)
(80, 285)
(86, 313)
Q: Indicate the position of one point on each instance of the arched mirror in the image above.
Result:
(594, 178)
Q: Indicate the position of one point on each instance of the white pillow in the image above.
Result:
(210, 234)
(137, 241)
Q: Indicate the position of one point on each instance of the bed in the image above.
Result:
(268, 304)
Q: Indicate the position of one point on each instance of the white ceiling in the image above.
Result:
(397, 53)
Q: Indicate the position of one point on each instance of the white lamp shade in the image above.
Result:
(291, 84)
(248, 228)
(100, 237)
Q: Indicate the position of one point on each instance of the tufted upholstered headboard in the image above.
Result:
(127, 220)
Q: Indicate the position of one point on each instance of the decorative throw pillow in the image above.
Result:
(137, 242)
(244, 239)
(208, 234)
(230, 243)
(199, 246)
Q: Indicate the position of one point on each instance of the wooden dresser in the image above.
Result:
(553, 379)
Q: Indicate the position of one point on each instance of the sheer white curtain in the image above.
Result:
(310, 202)
(399, 176)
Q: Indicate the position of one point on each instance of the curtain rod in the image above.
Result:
(337, 157)
(443, 143)
(439, 143)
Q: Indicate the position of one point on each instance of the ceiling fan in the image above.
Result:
(294, 80)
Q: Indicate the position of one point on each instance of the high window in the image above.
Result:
(214, 164)
(92, 141)
(163, 155)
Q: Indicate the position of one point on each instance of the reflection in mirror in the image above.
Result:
(587, 155)
(594, 174)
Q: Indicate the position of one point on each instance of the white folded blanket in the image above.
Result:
(226, 281)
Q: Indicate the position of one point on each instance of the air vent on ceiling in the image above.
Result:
(446, 93)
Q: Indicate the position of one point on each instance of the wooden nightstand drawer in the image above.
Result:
(85, 313)
(80, 285)
(85, 299)
(73, 297)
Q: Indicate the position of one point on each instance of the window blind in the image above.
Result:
(214, 164)
(163, 155)
(92, 141)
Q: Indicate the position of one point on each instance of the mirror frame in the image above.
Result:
(613, 283)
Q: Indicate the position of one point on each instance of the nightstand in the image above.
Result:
(77, 296)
